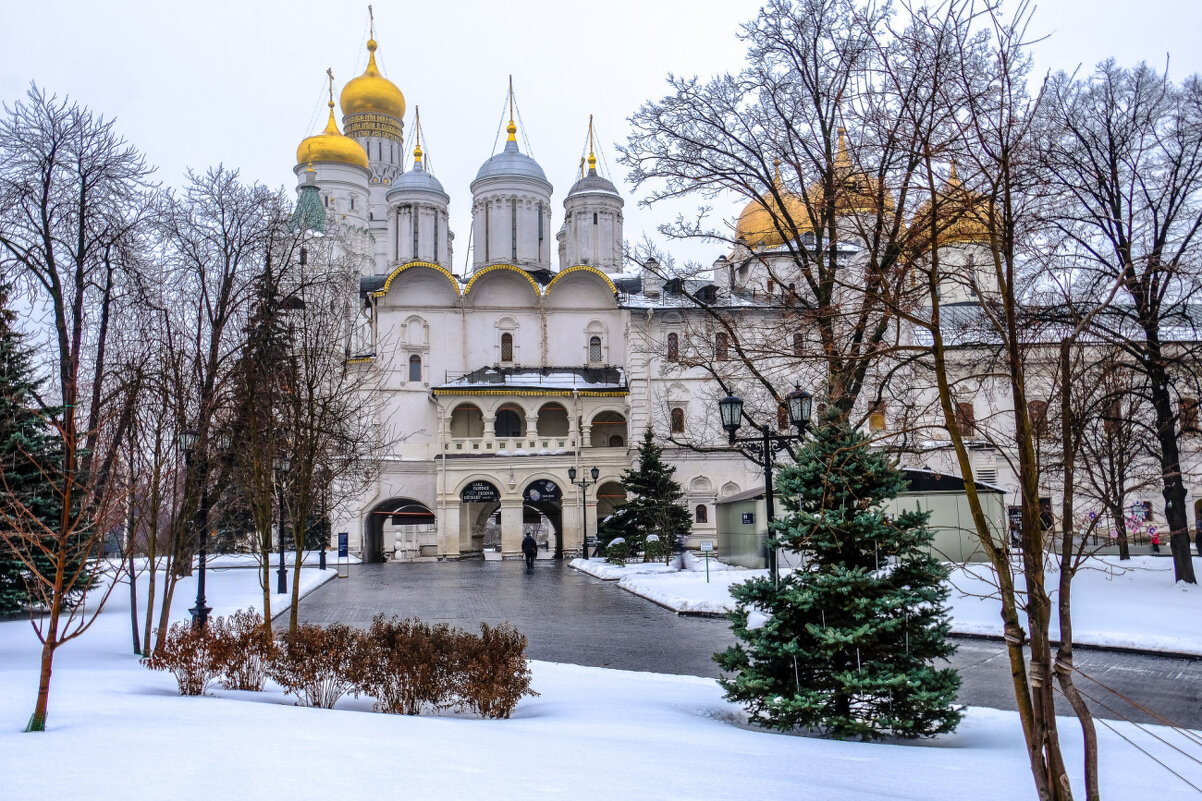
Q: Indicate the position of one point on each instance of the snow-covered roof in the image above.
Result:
(551, 380)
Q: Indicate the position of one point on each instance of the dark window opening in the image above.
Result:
(678, 421)
(594, 349)
(673, 347)
(701, 514)
(507, 347)
(415, 368)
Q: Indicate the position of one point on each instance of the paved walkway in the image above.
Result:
(574, 618)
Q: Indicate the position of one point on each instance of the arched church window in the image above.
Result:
(507, 424)
(673, 347)
(721, 346)
(594, 349)
(678, 420)
(415, 368)
(507, 347)
(701, 514)
(594, 218)
(799, 344)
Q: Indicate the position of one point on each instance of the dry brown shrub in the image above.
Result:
(317, 664)
(187, 653)
(241, 648)
(495, 674)
(406, 664)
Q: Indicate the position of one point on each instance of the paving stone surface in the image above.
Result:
(574, 618)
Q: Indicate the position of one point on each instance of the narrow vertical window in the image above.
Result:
(678, 420)
(487, 228)
(594, 218)
(701, 514)
(673, 347)
(414, 212)
(434, 255)
(799, 344)
(782, 417)
(966, 420)
(540, 221)
(876, 417)
(594, 349)
(721, 346)
(1037, 411)
(507, 347)
(415, 368)
(513, 227)
(1189, 415)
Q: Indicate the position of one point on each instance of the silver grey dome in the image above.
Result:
(593, 183)
(418, 180)
(511, 163)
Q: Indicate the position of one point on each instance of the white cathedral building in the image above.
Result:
(544, 359)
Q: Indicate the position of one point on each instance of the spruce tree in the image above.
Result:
(27, 447)
(654, 500)
(851, 638)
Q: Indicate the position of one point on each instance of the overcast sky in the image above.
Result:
(241, 82)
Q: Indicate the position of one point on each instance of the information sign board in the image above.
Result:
(479, 492)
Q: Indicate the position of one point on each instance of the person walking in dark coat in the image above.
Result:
(530, 549)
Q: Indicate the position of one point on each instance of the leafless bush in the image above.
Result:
(241, 648)
(187, 652)
(408, 663)
(495, 672)
(317, 664)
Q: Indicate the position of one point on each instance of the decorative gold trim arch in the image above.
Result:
(581, 268)
(494, 267)
(382, 291)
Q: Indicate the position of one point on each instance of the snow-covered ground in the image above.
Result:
(117, 731)
(1132, 604)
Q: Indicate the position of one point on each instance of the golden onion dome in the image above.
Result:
(371, 92)
(330, 145)
(963, 216)
(758, 222)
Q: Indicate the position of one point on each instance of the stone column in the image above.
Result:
(449, 531)
(511, 528)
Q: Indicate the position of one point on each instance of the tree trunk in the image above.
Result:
(1170, 464)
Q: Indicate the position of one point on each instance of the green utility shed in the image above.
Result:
(743, 529)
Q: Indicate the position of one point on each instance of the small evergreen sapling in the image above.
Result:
(851, 638)
(655, 501)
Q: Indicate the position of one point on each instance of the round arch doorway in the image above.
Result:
(408, 519)
(542, 516)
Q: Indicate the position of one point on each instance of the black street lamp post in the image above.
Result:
(760, 449)
(282, 466)
(200, 522)
(584, 484)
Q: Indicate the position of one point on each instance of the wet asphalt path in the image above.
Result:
(570, 617)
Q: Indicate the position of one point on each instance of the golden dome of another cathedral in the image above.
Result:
(855, 193)
(371, 92)
(330, 145)
(762, 220)
(963, 216)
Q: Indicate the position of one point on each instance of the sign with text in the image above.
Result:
(707, 545)
(343, 549)
(479, 492)
(749, 518)
(546, 491)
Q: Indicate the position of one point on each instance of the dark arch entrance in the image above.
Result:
(398, 512)
(542, 503)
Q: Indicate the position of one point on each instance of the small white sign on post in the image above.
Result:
(707, 545)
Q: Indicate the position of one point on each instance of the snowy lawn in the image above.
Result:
(1132, 604)
(118, 731)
